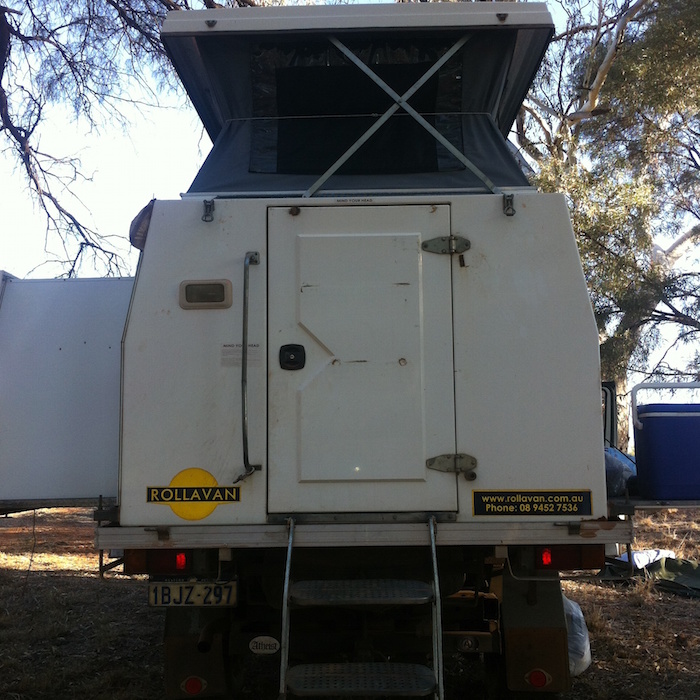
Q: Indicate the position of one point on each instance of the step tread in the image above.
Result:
(361, 592)
(361, 679)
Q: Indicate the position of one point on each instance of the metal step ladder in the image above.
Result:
(377, 679)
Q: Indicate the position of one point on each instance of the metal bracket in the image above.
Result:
(508, 204)
(446, 245)
(208, 215)
(457, 463)
(163, 533)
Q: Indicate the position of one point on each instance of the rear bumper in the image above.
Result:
(365, 535)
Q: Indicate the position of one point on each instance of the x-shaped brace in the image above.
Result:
(401, 102)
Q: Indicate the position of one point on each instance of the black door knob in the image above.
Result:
(292, 357)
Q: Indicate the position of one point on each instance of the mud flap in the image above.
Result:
(195, 654)
(534, 635)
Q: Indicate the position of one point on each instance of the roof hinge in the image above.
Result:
(455, 463)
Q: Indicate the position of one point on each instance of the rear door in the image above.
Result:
(361, 389)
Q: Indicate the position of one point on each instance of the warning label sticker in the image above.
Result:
(532, 503)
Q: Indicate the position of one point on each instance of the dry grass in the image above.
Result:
(645, 643)
(66, 634)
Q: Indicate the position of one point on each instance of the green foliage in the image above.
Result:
(654, 95)
(614, 123)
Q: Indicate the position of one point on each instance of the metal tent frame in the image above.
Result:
(400, 102)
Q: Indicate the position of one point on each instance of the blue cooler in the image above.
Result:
(667, 449)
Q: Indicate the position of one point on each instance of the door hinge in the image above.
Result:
(446, 245)
(456, 463)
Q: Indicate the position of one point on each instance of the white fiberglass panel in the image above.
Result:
(181, 441)
(527, 378)
(366, 385)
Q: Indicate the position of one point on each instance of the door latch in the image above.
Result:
(292, 357)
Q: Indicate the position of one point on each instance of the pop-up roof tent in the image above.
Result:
(358, 98)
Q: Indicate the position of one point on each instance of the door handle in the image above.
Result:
(251, 258)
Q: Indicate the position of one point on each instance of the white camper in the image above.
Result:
(360, 395)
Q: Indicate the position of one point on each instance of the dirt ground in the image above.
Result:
(67, 634)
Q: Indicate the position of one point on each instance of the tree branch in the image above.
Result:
(683, 244)
(596, 86)
(524, 141)
(37, 166)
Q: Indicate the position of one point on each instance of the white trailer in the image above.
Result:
(360, 396)
(60, 356)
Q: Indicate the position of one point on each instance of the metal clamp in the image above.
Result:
(208, 215)
(509, 204)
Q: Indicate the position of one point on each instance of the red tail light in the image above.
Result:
(166, 562)
(569, 557)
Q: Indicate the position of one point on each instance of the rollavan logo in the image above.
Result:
(193, 494)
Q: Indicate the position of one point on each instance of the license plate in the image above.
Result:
(192, 594)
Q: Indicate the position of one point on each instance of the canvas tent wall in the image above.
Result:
(280, 112)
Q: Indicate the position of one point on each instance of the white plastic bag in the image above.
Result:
(648, 556)
(579, 641)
